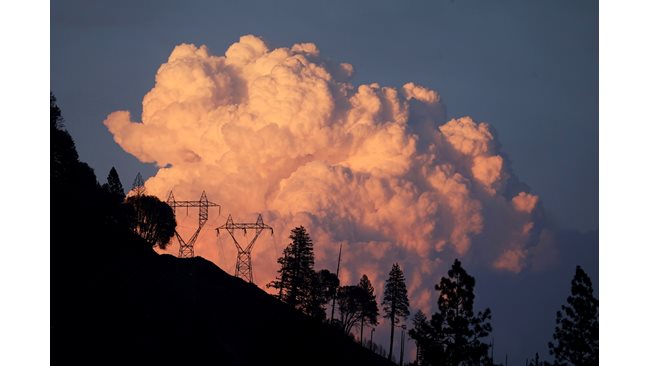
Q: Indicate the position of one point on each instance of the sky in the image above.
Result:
(529, 69)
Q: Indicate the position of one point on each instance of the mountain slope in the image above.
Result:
(192, 307)
(115, 301)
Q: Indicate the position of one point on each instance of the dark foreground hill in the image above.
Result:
(115, 301)
(162, 307)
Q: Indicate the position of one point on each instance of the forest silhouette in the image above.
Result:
(118, 301)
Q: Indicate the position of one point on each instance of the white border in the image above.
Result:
(624, 154)
(25, 256)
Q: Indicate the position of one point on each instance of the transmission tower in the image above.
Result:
(244, 268)
(138, 186)
(186, 249)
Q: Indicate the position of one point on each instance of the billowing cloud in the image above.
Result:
(284, 132)
(525, 202)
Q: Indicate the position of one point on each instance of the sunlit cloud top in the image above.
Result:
(284, 132)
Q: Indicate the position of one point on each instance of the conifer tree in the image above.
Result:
(114, 186)
(575, 341)
(369, 310)
(295, 276)
(418, 332)
(395, 302)
(454, 334)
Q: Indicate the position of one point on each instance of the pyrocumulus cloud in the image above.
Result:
(284, 132)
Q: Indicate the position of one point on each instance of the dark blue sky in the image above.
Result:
(527, 67)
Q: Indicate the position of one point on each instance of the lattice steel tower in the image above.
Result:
(186, 249)
(244, 268)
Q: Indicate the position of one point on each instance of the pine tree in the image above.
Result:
(418, 332)
(369, 310)
(281, 281)
(575, 341)
(294, 280)
(114, 186)
(455, 333)
(64, 160)
(395, 302)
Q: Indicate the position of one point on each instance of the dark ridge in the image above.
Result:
(115, 301)
(193, 309)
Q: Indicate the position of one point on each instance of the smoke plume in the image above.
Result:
(285, 133)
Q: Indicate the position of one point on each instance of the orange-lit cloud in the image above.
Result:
(525, 202)
(283, 132)
(511, 260)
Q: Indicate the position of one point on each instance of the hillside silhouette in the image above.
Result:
(190, 309)
(115, 300)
